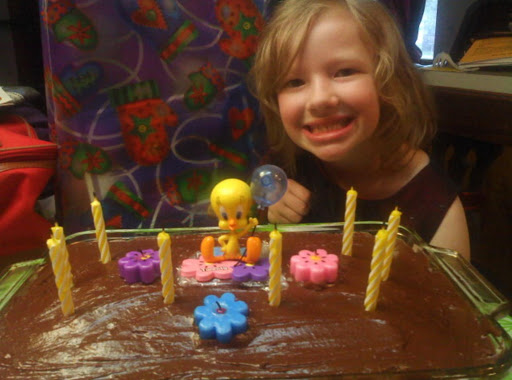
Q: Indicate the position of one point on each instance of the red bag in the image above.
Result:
(26, 165)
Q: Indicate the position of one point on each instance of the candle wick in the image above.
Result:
(220, 309)
(240, 259)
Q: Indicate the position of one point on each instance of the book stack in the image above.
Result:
(488, 52)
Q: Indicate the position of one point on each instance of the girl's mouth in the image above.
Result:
(328, 125)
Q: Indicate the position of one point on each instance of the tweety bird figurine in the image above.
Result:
(231, 200)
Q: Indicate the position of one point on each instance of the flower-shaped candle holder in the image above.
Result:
(317, 267)
(221, 317)
(256, 272)
(202, 271)
(140, 266)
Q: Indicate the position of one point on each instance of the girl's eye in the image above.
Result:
(293, 83)
(345, 72)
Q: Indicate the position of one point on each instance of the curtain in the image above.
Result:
(408, 14)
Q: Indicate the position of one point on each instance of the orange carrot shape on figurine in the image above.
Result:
(232, 200)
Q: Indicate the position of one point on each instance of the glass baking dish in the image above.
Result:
(488, 302)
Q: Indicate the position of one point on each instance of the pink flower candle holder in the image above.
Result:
(140, 266)
(202, 271)
(318, 267)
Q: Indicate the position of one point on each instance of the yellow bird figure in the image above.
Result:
(231, 200)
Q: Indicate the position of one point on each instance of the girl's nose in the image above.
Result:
(323, 96)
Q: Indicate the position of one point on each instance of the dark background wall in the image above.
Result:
(20, 44)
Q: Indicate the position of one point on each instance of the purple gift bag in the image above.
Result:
(147, 101)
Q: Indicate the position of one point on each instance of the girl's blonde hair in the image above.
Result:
(406, 110)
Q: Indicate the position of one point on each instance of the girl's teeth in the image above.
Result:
(329, 127)
(325, 128)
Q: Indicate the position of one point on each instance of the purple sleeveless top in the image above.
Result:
(423, 202)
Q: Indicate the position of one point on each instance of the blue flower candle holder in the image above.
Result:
(221, 317)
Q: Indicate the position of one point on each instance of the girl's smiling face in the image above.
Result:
(328, 102)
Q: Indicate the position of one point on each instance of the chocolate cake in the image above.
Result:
(421, 326)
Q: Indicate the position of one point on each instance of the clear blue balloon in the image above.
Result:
(268, 185)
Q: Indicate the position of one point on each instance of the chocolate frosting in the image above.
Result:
(125, 331)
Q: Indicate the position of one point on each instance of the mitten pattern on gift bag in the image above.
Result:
(71, 25)
(148, 102)
(242, 22)
(143, 117)
(206, 83)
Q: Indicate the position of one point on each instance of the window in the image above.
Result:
(427, 30)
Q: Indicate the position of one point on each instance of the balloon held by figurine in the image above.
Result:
(268, 185)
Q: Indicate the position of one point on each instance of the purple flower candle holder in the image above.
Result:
(140, 266)
(243, 272)
(221, 317)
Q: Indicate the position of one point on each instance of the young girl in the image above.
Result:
(345, 107)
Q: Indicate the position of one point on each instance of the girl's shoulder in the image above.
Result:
(416, 164)
(424, 179)
(386, 182)
(425, 199)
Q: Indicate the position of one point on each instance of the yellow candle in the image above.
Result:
(166, 270)
(374, 279)
(393, 224)
(101, 234)
(58, 234)
(275, 258)
(62, 280)
(348, 228)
